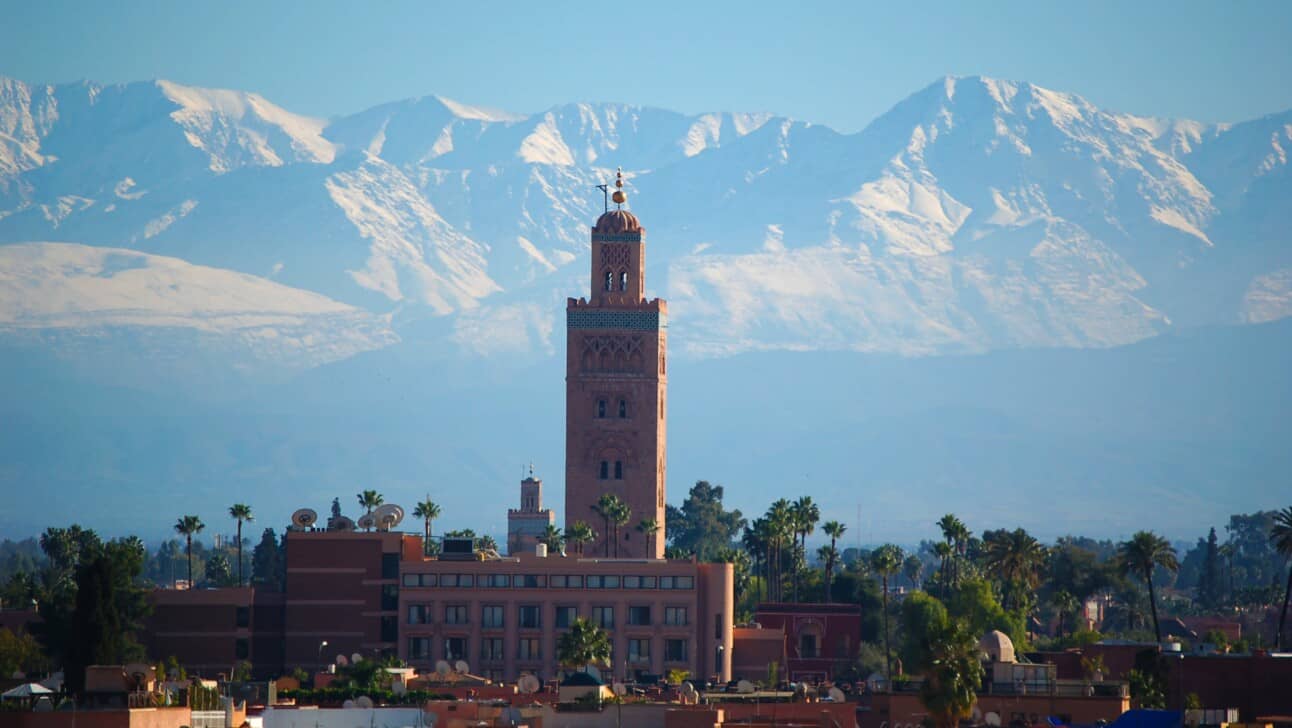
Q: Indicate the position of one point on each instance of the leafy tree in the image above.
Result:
(106, 613)
(19, 652)
(240, 512)
(886, 561)
(974, 603)
(1077, 569)
(218, 572)
(427, 510)
(268, 565)
(923, 618)
(1142, 555)
(583, 644)
(1209, 584)
(701, 526)
(187, 526)
(1281, 537)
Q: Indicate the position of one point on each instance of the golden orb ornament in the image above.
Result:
(619, 197)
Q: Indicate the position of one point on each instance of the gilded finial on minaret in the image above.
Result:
(620, 197)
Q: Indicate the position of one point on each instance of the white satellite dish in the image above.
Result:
(388, 515)
(304, 518)
(744, 686)
(528, 684)
(442, 668)
(992, 718)
(356, 658)
(366, 521)
(363, 701)
(688, 691)
(837, 696)
(348, 705)
(342, 660)
(462, 667)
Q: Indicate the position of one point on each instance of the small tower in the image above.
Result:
(525, 525)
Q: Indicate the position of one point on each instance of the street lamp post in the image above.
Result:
(320, 655)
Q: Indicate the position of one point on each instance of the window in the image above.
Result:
(491, 616)
(639, 616)
(411, 580)
(623, 409)
(604, 617)
(565, 616)
(455, 614)
(594, 581)
(418, 614)
(531, 616)
(557, 581)
(575, 581)
(639, 650)
(389, 629)
(491, 648)
(623, 280)
(497, 581)
(649, 582)
(419, 648)
(807, 646)
(605, 470)
(390, 566)
(675, 650)
(468, 580)
(241, 649)
(666, 582)
(610, 281)
(619, 470)
(389, 597)
(610, 582)
(675, 616)
(527, 649)
(527, 581)
(243, 617)
(632, 582)
(677, 582)
(455, 648)
(601, 408)
(449, 580)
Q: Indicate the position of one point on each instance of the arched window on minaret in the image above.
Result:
(605, 470)
(610, 281)
(623, 280)
(619, 470)
(623, 409)
(601, 408)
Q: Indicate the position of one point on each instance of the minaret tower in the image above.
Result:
(615, 384)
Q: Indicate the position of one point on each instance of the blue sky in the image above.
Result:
(840, 64)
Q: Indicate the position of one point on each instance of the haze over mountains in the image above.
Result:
(184, 267)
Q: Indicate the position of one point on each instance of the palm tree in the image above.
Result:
(754, 541)
(829, 555)
(580, 533)
(605, 507)
(619, 517)
(552, 538)
(649, 527)
(956, 534)
(780, 527)
(1017, 557)
(885, 561)
(1281, 537)
(240, 512)
(952, 677)
(834, 530)
(583, 644)
(805, 515)
(368, 500)
(1142, 555)
(428, 511)
(913, 568)
(186, 526)
(943, 551)
(1064, 604)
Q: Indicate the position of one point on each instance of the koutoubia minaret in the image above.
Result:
(615, 385)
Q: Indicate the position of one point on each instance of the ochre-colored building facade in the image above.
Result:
(615, 392)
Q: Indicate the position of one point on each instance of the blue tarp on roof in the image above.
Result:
(1149, 719)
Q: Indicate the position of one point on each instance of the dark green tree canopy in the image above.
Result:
(701, 525)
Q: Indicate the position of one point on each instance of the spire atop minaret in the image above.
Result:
(620, 197)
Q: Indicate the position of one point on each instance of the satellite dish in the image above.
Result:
(388, 516)
(304, 518)
(363, 701)
(366, 521)
(356, 658)
(528, 684)
(744, 686)
(344, 523)
(461, 666)
(619, 688)
(342, 660)
(992, 718)
(837, 696)
(348, 705)
(399, 687)
(688, 691)
(975, 715)
(442, 668)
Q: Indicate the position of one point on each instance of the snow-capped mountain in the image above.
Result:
(977, 214)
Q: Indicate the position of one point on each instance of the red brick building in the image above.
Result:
(615, 391)
(819, 638)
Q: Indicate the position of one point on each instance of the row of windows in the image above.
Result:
(604, 472)
(623, 409)
(609, 283)
(530, 616)
(556, 581)
(529, 648)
